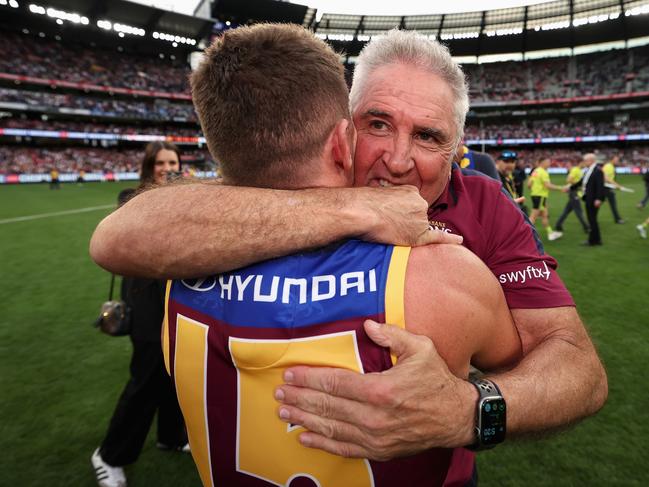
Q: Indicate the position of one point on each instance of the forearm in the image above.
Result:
(558, 382)
(200, 229)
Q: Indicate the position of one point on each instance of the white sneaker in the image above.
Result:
(107, 476)
(554, 236)
(642, 230)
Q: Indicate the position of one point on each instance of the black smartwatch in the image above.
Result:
(491, 416)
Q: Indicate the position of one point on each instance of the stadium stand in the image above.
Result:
(23, 159)
(602, 73)
(78, 97)
(82, 64)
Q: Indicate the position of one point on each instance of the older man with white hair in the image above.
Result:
(409, 102)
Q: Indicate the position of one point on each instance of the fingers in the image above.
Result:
(340, 448)
(401, 343)
(361, 435)
(434, 236)
(336, 382)
(328, 428)
(298, 404)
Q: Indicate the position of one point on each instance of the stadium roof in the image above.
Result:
(410, 7)
(150, 18)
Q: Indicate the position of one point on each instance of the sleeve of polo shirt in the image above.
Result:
(515, 255)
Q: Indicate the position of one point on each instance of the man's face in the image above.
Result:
(506, 166)
(406, 130)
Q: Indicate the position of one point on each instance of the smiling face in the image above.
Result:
(406, 130)
(166, 161)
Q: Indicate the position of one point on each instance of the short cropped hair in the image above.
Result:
(267, 97)
(410, 47)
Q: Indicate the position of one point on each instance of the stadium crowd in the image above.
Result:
(37, 160)
(22, 159)
(602, 73)
(158, 109)
(117, 129)
(31, 55)
(553, 128)
(46, 58)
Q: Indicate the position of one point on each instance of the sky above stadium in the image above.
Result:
(370, 7)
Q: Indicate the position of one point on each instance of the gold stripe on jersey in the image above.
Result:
(268, 448)
(190, 359)
(165, 330)
(395, 289)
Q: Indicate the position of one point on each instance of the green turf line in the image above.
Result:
(56, 213)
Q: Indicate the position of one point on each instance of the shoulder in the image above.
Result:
(451, 267)
(474, 181)
(450, 296)
(481, 192)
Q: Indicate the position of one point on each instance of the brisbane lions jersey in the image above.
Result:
(227, 339)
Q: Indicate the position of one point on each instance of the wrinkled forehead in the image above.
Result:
(403, 80)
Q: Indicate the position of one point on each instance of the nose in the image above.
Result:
(398, 158)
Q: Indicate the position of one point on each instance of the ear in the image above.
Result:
(341, 145)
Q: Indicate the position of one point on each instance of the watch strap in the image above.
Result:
(486, 388)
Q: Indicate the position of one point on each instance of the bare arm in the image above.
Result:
(561, 379)
(190, 230)
(549, 185)
(462, 309)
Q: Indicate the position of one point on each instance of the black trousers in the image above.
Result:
(594, 237)
(573, 204)
(148, 390)
(612, 200)
(644, 201)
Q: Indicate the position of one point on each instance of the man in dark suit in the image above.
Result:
(594, 194)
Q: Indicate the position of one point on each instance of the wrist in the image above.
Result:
(340, 212)
(361, 217)
(467, 418)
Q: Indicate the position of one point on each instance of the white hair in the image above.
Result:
(410, 47)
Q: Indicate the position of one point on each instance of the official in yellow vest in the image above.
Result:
(540, 186)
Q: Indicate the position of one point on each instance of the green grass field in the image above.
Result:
(60, 378)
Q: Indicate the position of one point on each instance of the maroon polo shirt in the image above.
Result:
(496, 230)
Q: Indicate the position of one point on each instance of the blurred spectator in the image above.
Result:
(540, 185)
(149, 389)
(39, 160)
(574, 179)
(505, 163)
(610, 185)
(519, 175)
(593, 187)
(645, 178)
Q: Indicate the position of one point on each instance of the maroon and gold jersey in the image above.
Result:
(227, 340)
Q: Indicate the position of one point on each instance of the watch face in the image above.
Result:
(493, 421)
